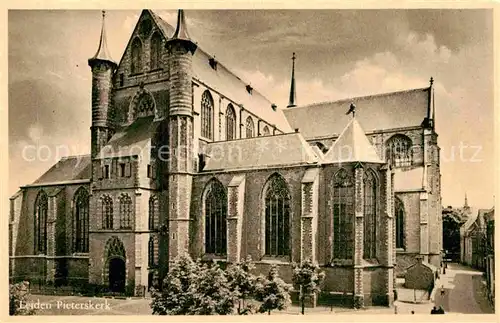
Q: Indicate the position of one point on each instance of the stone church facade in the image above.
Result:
(187, 158)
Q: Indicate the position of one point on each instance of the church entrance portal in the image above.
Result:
(117, 275)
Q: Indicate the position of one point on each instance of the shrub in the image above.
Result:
(309, 278)
(272, 292)
(243, 283)
(18, 294)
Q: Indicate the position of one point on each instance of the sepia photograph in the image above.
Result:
(251, 162)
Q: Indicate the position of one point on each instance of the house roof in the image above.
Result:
(67, 169)
(259, 152)
(229, 84)
(375, 112)
(470, 221)
(131, 140)
(352, 146)
(408, 180)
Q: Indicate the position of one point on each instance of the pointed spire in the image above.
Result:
(102, 51)
(181, 33)
(293, 95)
(466, 203)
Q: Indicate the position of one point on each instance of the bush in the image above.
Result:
(309, 278)
(243, 283)
(272, 292)
(18, 294)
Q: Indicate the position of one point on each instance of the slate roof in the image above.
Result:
(408, 180)
(259, 152)
(352, 146)
(67, 169)
(131, 140)
(229, 84)
(375, 112)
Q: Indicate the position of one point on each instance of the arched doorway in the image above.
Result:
(116, 275)
(115, 272)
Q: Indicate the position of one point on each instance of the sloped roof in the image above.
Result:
(466, 226)
(67, 169)
(376, 112)
(352, 146)
(131, 140)
(407, 180)
(229, 84)
(259, 152)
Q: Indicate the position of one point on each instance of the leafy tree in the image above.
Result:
(309, 278)
(213, 294)
(193, 288)
(18, 294)
(243, 283)
(272, 292)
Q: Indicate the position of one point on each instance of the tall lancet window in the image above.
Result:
(135, 62)
(343, 215)
(153, 251)
(153, 213)
(155, 58)
(41, 209)
(107, 212)
(277, 217)
(249, 127)
(215, 218)
(399, 214)
(230, 123)
(399, 151)
(81, 221)
(370, 216)
(125, 212)
(207, 115)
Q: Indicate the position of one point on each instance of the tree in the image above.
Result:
(272, 292)
(18, 294)
(243, 283)
(309, 278)
(213, 293)
(193, 288)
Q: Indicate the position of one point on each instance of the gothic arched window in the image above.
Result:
(399, 214)
(81, 221)
(230, 123)
(155, 58)
(370, 216)
(41, 209)
(399, 151)
(153, 213)
(107, 212)
(343, 215)
(277, 217)
(125, 212)
(207, 115)
(265, 131)
(215, 218)
(135, 62)
(153, 251)
(249, 127)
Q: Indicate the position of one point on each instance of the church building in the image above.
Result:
(188, 158)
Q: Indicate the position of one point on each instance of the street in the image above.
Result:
(464, 291)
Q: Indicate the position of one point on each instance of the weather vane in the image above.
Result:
(352, 109)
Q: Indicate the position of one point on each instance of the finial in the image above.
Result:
(352, 109)
(466, 204)
(102, 51)
(431, 80)
(181, 32)
(293, 94)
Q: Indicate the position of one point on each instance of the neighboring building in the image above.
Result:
(466, 240)
(490, 254)
(453, 220)
(359, 196)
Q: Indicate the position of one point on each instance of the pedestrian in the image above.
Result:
(412, 312)
(434, 310)
(442, 290)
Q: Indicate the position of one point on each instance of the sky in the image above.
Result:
(340, 54)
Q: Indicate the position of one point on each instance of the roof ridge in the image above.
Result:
(357, 97)
(219, 63)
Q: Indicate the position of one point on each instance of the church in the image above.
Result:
(188, 158)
